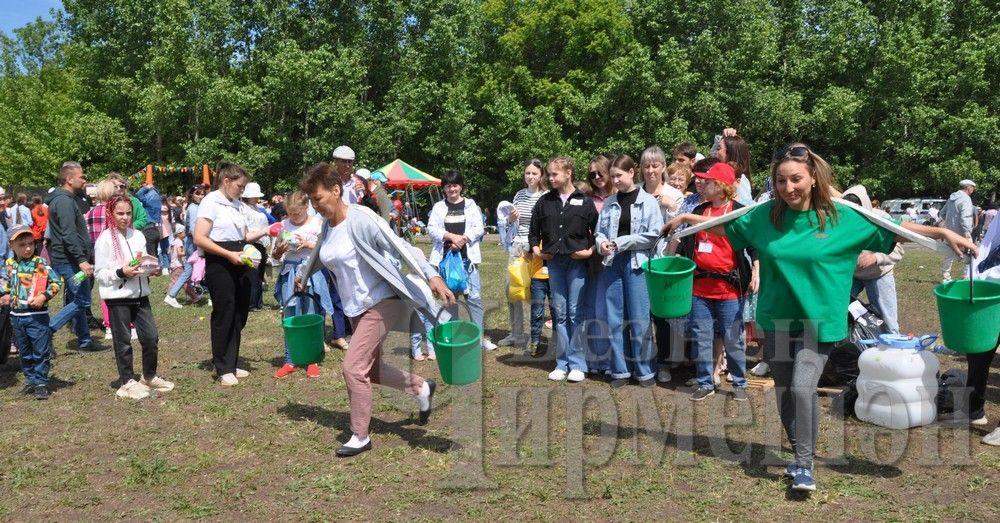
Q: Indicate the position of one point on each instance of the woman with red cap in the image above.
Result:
(722, 277)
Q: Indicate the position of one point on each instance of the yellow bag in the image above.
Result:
(519, 278)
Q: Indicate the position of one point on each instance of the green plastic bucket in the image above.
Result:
(669, 281)
(304, 337)
(459, 351)
(969, 325)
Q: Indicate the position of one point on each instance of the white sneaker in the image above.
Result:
(557, 375)
(107, 334)
(979, 421)
(489, 345)
(133, 390)
(135, 335)
(158, 383)
(242, 373)
(164, 271)
(663, 376)
(993, 438)
(761, 369)
(228, 380)
(171, 301)
(575, 376)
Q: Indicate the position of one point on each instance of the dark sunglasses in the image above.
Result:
(594, 174)
(799, 151)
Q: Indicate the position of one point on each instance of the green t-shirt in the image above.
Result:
(806, 274)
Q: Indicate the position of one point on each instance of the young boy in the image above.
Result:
(28, 283)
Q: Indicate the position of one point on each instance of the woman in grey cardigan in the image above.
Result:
(377, 295)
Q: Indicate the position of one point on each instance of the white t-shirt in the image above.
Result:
(229, 221)
(308, 231)
(358, 285)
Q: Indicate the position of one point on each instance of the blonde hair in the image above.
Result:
(562, 163)
(105, 190)
(676, 168)
(298, 200)
(821, 194)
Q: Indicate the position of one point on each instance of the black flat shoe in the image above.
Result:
(27, 389)
(347, 452)
(41, 392)
(426, 414)
(618, 383)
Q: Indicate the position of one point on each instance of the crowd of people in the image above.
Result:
(780, 274)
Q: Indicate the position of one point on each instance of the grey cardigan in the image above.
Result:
(387, 254)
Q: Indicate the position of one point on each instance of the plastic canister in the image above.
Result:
(897, 384)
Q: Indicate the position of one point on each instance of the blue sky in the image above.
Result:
(16, 13)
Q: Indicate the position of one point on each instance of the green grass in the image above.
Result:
(264, 449)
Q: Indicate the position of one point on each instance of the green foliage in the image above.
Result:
(899, 95)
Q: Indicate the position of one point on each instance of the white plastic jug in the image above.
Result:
(897, 384)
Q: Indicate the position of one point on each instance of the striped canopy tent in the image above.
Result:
(402, 175)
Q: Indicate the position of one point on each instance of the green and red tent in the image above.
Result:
(402, 175)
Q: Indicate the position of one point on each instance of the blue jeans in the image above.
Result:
(77, 300)
(333, 306)
(417, 335)
(539, 293)
(566, 279)
(473, 300)
(627, 302)
(165, 252)
(182, 279)
(712, 319)
(284, 288)
(595, 327)
(34, 343)
(882, 295)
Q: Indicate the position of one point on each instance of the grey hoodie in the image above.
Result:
(69, 240)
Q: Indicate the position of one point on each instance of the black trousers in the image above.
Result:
(229, 287)
(978, 375)
(257, 280)
(135, 312)
(152, 234)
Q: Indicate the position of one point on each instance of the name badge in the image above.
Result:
(576, 201)
(704, 247)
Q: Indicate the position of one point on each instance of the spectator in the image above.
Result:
(956, 216)
(39, 222)
(71, 252)
(152, 203)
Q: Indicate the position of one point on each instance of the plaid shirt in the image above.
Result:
(96, 219)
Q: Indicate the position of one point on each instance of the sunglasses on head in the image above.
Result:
(798, 151)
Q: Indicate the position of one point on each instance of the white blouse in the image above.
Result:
(228, 217)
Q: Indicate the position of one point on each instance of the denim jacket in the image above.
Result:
(647, 220)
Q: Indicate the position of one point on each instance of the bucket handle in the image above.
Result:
(303, 294)
(972, 274)
(437, 317)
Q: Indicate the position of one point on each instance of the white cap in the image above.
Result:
(252, 190)
(343, 152)
(698, 157)
(966, 183)
(364, 173)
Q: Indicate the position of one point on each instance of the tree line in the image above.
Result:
(897, 94)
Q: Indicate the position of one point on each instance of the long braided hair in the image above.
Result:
(116, 245)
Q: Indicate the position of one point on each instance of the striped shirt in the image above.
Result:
(524, 202)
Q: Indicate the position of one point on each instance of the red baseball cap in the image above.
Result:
(720, 172)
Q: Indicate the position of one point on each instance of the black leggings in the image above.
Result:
(229, 287)
(136, 312)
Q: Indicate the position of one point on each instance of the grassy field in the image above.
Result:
(515, 446)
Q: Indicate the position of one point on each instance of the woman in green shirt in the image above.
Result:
(808, 245)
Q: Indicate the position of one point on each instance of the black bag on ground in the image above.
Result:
(952, 396)
(862, 324)
(842, 405)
